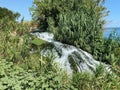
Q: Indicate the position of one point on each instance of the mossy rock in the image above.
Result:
(38, 42)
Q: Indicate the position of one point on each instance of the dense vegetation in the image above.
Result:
(79, 23)
(23, 68)
(4, 12)
(75, 22)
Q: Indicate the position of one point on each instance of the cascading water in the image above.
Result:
(70, 58)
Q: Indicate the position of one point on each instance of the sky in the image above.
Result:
(22, 6)
(113, 19)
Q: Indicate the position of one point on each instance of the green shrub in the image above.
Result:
(4, 12)
(75, 22)
(13, 77)
(24, 69)
(100, 80)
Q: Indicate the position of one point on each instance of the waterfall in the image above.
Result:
(69, 57)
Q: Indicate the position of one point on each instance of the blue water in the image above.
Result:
(108, 31)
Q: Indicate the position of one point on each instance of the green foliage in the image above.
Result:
(13, 42)
(23, 68)
(4, 12)
(101, 80)
(43, 9)
(15, 78)
(75, 22)
(16, 45)
(110, 52)
(79, 23)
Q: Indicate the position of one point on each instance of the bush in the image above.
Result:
(24, 69)
(4, 12)
(75, 22)
(100, 80)
(13, 77)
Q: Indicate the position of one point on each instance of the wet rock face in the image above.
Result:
(81, 62)
(71, 59)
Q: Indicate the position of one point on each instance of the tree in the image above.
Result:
(4, 12)
(76, 22)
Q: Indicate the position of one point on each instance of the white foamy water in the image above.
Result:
(71, 56)
(45, 36)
